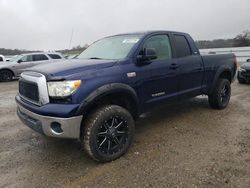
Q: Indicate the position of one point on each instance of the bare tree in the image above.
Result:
(242, 39)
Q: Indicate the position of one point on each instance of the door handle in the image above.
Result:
(173, 66)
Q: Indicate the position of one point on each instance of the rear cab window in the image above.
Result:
(182, 47)
(54, 56)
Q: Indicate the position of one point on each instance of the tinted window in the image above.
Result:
(1, 59)
(40, 57)
(26, 58)
(55, 56)
(182, 46)
(161, 45)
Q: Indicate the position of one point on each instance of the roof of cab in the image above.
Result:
(150, 32)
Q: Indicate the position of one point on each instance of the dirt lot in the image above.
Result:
(180, 145)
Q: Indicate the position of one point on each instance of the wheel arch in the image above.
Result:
(223, 72)
(10, 72)
(115, 93)
(7, 69)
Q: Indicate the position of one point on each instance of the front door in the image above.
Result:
(158, 80)
(25, 62)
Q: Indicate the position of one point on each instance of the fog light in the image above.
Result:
(56, 128)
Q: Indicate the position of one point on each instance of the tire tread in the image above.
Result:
(90, 123)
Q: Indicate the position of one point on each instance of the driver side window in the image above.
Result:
(26, 58)
(161, 44)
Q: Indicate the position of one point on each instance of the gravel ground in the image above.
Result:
(186, 144)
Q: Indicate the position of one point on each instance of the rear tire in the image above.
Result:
(220, 97)
(6, 75)
(108, 133)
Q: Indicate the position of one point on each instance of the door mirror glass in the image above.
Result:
(150, 53)
(146, 56)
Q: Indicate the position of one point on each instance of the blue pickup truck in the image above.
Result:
(97, 97)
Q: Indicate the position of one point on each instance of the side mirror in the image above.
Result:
(248, 60)
(148, 54)
(19, 61)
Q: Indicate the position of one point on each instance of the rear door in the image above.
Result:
(40, 58)
(190, 66)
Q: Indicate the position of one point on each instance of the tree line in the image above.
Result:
(240, 40)
(75, 50)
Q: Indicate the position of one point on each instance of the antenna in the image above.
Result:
(71, 36)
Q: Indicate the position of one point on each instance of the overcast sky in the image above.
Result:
(47, 24)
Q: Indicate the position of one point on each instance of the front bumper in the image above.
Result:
(51, 126)
(244, 76)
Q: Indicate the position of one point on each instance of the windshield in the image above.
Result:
(116, 47)
(16, 58)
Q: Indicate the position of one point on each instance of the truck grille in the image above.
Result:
(33, 88)
(29, 90)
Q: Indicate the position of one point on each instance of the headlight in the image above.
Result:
(63, 88)
(242, 70)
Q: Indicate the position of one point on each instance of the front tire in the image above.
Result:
(6, 75)
(108, 133)
(220, 97)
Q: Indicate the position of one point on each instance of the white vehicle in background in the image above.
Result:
(16, 65)
(2, 58)
(8, 58)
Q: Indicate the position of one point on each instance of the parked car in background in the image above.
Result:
(16, 65)
(12, 57)
(97, 96)
(8, 58)
(2, 58)
(244, 73)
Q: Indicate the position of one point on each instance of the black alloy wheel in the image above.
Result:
(6, 75)
(221, 94)
(112, 135)
(108, 133)
(225, 94)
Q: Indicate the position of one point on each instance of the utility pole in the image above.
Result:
(71, 36)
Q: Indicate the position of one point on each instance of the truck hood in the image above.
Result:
(71, 67)
(246, 66)
(7, 64)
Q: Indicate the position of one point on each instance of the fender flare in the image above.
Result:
(104, 91)
(224, 68)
